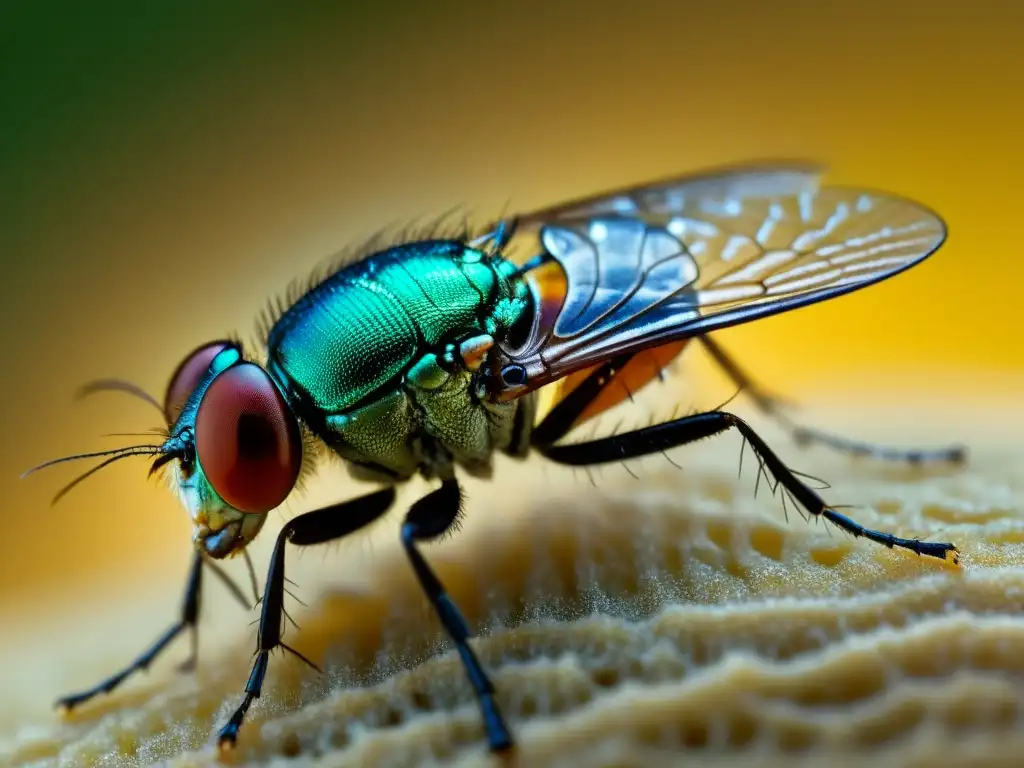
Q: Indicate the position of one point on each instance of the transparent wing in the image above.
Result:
(650, 266)
(669, 196)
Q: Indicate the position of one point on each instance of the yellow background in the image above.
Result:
(162, 176)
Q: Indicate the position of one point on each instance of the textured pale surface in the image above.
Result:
(639, 622)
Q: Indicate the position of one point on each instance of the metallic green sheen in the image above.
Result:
(351, 338)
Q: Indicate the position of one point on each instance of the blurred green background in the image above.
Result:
(164, 171)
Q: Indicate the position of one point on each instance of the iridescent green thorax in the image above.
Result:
(366, 324)
(366, 357)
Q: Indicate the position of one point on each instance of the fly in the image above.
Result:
(426, 356)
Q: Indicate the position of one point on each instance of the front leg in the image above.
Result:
(317, 527)
(189, 620)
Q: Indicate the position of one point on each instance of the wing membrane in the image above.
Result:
(723, 184)
(649, 266)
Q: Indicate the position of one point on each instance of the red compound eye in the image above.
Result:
(187, 377)
(247, 440)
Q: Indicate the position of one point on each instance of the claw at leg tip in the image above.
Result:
(225, 746)
(503, 747)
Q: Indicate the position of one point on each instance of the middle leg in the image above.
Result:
(431, 517)
(428, 518)
(317, 527)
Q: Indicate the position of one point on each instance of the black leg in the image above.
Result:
(661, 437)
(429, 518)
(189, 617)
(806, 435)
(317, 527)
(560, 420)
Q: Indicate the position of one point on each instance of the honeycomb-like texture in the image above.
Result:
(656, 621)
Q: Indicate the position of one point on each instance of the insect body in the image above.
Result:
(381, 360)
(424, 358)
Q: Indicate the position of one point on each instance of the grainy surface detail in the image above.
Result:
(638, 622)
